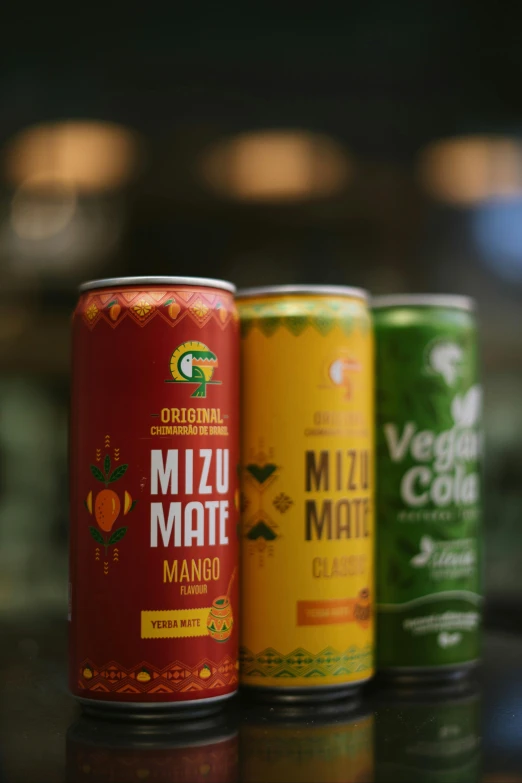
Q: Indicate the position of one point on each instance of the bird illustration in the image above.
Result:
(193, 362)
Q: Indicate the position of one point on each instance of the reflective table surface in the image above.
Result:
(469, 732)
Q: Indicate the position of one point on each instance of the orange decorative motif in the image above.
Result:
(171, 306)
(114, 308)
(106, 509)
(142, 308)
(147, 678)
(199, 308)
(107, 503)
(91, 312)
(127, 502)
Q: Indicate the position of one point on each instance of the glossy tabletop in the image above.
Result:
(470, 732)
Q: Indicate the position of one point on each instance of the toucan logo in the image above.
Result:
(193, 362)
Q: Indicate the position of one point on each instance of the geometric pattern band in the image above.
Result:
(177, 677)
(301, 663)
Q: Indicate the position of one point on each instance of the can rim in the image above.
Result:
(453, 301)
(314, 290)
(204, 282)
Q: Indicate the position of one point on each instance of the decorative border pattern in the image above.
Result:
(113, 306)
(301, 663)
(177, 677)
(322, 314)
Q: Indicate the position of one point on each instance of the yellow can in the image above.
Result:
(307, 491)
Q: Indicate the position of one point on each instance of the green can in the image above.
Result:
(428, 504)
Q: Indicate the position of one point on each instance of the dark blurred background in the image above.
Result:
(380, 146)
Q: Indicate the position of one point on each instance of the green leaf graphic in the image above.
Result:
(261, 472)
(261, 530)
(114, 302)
(118, 473)
(107, 465)
(132, 506)
(97, 536)
(96, 472)
(117, 535)
(169, 301)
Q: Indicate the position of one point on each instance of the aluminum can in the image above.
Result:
(154, 451)
(307, 484)
(429, 451)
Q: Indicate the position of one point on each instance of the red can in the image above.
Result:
(154, 453)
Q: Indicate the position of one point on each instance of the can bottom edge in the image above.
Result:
(296, 695)
(410, 674)
(160, 711)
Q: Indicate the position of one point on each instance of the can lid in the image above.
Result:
(204, 282)
(312, 290)
(453, 301)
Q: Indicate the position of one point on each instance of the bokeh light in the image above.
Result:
(88, 156)
(469, 169)
(272, 165)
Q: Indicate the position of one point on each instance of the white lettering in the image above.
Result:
(189, 471)
(398, 448)
(442, 490)
(222, 471)
(157, 521)
(204, 488)
(212, 506)
(223, 516)
(164, 474)
(197, 533)
(422, 445)
(423, 476)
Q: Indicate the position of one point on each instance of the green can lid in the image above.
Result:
(453, 301)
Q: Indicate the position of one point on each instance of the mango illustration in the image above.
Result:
(88, 502)
(127, 502)
(204, 769)
(173, 308)
(142, 774)
(222, 314)
(143, 676)
(205, 672)
(114, 309)
(114, 312)
(87, 673)
(106, 509)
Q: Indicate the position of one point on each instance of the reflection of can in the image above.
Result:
(154, 453)
(423, 736)
(307, 479)
(305, 745)
(187, 753)
(429, 447)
